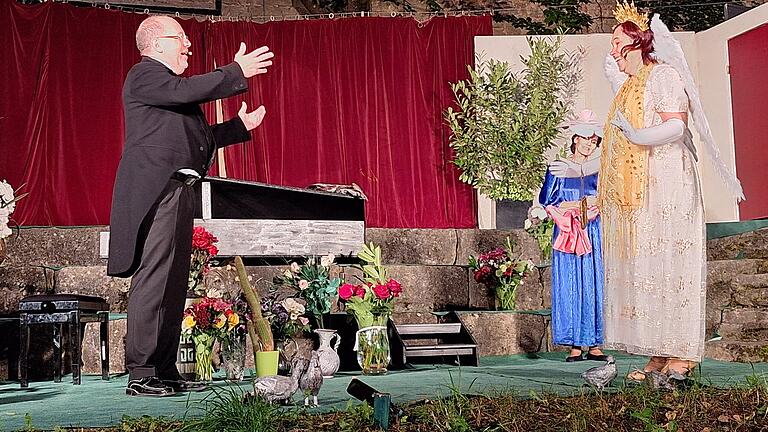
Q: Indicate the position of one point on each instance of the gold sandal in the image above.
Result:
(654, 365)
(685, 367)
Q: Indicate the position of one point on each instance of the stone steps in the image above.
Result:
(737, 351)
(749, 245)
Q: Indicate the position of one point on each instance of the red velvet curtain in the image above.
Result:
(352, 100)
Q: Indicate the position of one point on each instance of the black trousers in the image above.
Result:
(159, 286)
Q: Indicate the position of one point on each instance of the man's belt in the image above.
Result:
(187, 179)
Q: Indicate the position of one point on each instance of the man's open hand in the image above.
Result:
(255, 62)
(251, 119)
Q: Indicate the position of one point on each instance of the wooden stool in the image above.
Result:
(58, 310)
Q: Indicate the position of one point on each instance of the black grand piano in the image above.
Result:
(254, 219)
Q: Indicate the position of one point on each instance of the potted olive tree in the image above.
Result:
(503, 123)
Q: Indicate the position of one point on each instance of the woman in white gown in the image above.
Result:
(652, 210)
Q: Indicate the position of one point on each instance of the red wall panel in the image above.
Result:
(748, 57)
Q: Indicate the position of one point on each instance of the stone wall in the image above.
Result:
(430, 264)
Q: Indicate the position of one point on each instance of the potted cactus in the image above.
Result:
(259, 328)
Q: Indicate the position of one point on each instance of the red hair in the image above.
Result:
(642, 40)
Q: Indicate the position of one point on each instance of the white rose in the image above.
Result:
(327, 260)
(539, 213)
(292, 306)
(295, 267)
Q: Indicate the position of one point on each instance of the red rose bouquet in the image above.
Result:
(203, 249)
(371, 303)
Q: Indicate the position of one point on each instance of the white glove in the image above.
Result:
(565, 168)
(665, 133)
(568, 169)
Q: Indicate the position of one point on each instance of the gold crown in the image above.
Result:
(628, 12)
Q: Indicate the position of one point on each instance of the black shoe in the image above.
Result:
(148, 386)
(572, 359)
(597, 357)
(180, 385)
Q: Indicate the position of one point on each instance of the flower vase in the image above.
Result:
(233, 355)
(204, 357)
(328, 358)
(372, 344)
(506, 297)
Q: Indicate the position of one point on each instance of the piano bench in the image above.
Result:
(58, 310)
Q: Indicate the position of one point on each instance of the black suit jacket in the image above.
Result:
(165, 130)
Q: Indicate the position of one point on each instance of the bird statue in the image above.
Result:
(312, 379)
(601, 376)
(659, 381)
(276, 388)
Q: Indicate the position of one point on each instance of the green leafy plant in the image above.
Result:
(504, 122)
(232, 411)
(313, 284)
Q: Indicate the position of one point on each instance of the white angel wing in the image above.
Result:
(668, 50)
(612, 72)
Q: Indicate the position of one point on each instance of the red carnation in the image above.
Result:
(394, 287)
(346, 291)
(482, 273)
(381, 291)
(213, 250)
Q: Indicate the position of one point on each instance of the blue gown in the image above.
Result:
(577, 281)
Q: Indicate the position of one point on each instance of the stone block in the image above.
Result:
(751, 290)
(415, 246)
(56, 246)
(725, 270)
(19, 281)
(749, 245)
(478, 296)
(748, 352)
(502, 333)
(744, 324)
(91, 347)
(93, 281)
(475, 242)
(428, 288)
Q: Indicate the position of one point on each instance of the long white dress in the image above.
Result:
(655, 296)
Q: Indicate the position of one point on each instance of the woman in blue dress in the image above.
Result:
(569, 192)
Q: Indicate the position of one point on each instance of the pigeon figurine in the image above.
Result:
(658, 381)
(601, 376)
(276, 388)
(312, 379)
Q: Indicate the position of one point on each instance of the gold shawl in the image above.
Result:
(623, 179)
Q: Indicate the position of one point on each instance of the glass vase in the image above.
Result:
(203, 357)
(372, 345)
(233, 356)
(506, 297)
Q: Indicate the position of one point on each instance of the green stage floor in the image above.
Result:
(98, 403)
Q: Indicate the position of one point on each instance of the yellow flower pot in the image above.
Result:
(266, 363)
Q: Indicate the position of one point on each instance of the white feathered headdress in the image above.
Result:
(668, 50)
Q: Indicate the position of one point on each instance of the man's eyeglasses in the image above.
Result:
(181, 37)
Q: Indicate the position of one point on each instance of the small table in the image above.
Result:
(73, 310)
